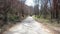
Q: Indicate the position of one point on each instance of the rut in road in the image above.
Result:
(28, 26)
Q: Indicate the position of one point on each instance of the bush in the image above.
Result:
(13, 18)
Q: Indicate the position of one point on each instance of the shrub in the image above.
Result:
(13, 18)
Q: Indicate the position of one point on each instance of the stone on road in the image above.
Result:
(28, 26)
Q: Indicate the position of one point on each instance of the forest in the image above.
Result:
(14, 11)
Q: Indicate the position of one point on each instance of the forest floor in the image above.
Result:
(30, 26)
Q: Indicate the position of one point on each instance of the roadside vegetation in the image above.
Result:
(46, 21)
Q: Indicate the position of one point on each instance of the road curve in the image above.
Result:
(28, 26)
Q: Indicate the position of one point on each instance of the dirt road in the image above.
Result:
(29, 26)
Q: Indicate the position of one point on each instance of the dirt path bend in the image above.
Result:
(29, 26)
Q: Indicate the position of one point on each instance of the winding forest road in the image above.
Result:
(29, 26)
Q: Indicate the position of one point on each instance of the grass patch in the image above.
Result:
(46, 21)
